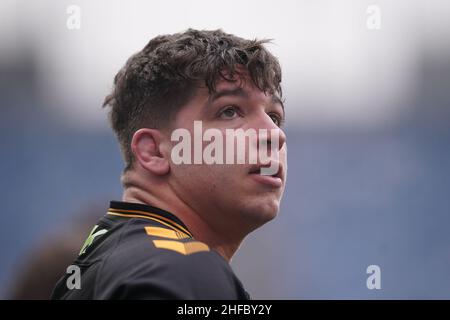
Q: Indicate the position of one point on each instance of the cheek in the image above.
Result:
(207, 182)
(197, 177)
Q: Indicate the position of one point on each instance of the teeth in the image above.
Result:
(258, 171)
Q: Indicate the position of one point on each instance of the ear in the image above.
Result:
(145, 145)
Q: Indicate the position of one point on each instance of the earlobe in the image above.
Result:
(146, 149)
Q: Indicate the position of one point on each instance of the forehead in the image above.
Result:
(242, 86)
(240, 79)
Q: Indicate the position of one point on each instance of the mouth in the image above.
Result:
(261, 174)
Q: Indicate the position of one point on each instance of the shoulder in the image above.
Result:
(154, 261)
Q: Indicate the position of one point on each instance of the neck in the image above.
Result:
(225, 242)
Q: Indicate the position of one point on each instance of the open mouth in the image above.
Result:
(261, 174)
(266, 170)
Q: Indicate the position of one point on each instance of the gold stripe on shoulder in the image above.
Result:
(165, 233)
(148, 218)
(180, 247)
(154, 215)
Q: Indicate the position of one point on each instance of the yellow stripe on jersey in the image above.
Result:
(180, 247)
(145, 217)
(165, 233)
(151, 215)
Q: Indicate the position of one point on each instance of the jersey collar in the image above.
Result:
(132, 209)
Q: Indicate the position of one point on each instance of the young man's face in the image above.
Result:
(233, 196)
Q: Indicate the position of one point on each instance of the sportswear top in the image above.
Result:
(137, 251)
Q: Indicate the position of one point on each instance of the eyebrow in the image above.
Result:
(239, 92)
(228, 92)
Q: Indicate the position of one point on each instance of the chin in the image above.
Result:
(263, 212)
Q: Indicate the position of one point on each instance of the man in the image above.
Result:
(180, 222)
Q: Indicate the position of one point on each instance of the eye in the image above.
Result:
(229, 113)
(276, 119)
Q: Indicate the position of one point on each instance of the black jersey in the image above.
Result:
(141, 252)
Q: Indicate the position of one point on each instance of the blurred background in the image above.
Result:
(367, 88)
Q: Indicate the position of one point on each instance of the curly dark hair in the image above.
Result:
(162, 77)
